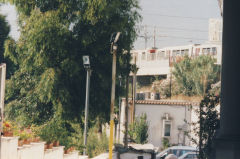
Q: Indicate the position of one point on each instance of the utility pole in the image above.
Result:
(134, 86)
(2, 94)
(145, 36)
(113, 41)
(126, 111)
(86, 63)
(119, 109)
(154, 37)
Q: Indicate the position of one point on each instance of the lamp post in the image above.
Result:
(113, 40)
(86, 64)
(119, 109)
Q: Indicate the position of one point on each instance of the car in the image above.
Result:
(189, 155)
(176, 150)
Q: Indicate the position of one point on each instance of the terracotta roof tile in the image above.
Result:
(165, 102)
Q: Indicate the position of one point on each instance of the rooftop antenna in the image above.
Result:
(220, 3)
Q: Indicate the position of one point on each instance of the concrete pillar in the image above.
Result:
(227, 144)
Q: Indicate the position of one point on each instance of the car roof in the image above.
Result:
(177, 148)
(182, 147)
(184, 155)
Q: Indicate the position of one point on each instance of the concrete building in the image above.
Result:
(215, 31)
(227, 143)
(153, 62)
(167, 119)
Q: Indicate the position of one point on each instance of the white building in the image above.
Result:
(215, 31)
(158, 62)
(167, 119)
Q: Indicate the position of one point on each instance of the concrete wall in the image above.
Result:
(10, 150)
(155, 115)
(134, 155)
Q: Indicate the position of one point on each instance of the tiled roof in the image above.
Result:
(165, 102)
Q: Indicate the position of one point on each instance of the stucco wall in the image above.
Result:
(10, 150)
(155, 115)
(134, 155)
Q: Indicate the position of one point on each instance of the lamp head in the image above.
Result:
(115, 37)
(86, 61)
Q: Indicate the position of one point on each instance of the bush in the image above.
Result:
(138, 130)
(96, 143)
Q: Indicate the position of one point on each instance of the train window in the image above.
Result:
(197, 51)
(153, 56)
(206, 51)
(214, 51)
(178, 52)
(174, 52)
(161, 55)
(143, 56)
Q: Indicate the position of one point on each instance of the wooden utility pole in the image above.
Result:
(126, 114)
(2, 94)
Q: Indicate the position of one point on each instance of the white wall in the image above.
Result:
(10, 150)
(134, 155)
(9, 147)
(155, 114)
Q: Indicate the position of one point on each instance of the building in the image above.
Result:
(152, 62)
(167, 119)
(215, 31)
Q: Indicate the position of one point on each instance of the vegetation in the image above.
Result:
(209, 122)
(138, 130)
(195, 76)
(165, 143)
(48, 81)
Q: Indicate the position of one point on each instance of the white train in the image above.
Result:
(159, 61)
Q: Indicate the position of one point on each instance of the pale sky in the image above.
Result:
(178, 22)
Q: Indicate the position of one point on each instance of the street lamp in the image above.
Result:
(86, 64)
(114, 39)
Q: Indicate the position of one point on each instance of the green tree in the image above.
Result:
(195, 76)
(4, 31)
(54, 37)
(138, 130)
(208, 123)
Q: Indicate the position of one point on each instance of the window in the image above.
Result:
(214, 51)
(143, 56)
(161, 55)
(206, 51)
(166, 128)
(153, 56)
(197, 51)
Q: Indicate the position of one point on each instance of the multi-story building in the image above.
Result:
(159, 61)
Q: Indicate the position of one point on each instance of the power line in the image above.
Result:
(170, 36)
(181, 37)
(173, 28)
(176, 16)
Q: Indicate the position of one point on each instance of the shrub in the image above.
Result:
(138, 130)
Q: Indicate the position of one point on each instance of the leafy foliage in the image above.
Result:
(54, 37)
(48, 85)
(4, 31)
(195, 76)
(138, 130)
(209, 122)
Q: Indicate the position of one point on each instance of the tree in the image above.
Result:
(138, 130)
(195, 76)
(54, 37)
(4, 31)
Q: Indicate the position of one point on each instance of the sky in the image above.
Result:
(177, 22)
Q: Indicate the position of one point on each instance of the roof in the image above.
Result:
(166, 102)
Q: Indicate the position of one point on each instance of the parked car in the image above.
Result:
(176, 150)
(189, 155)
